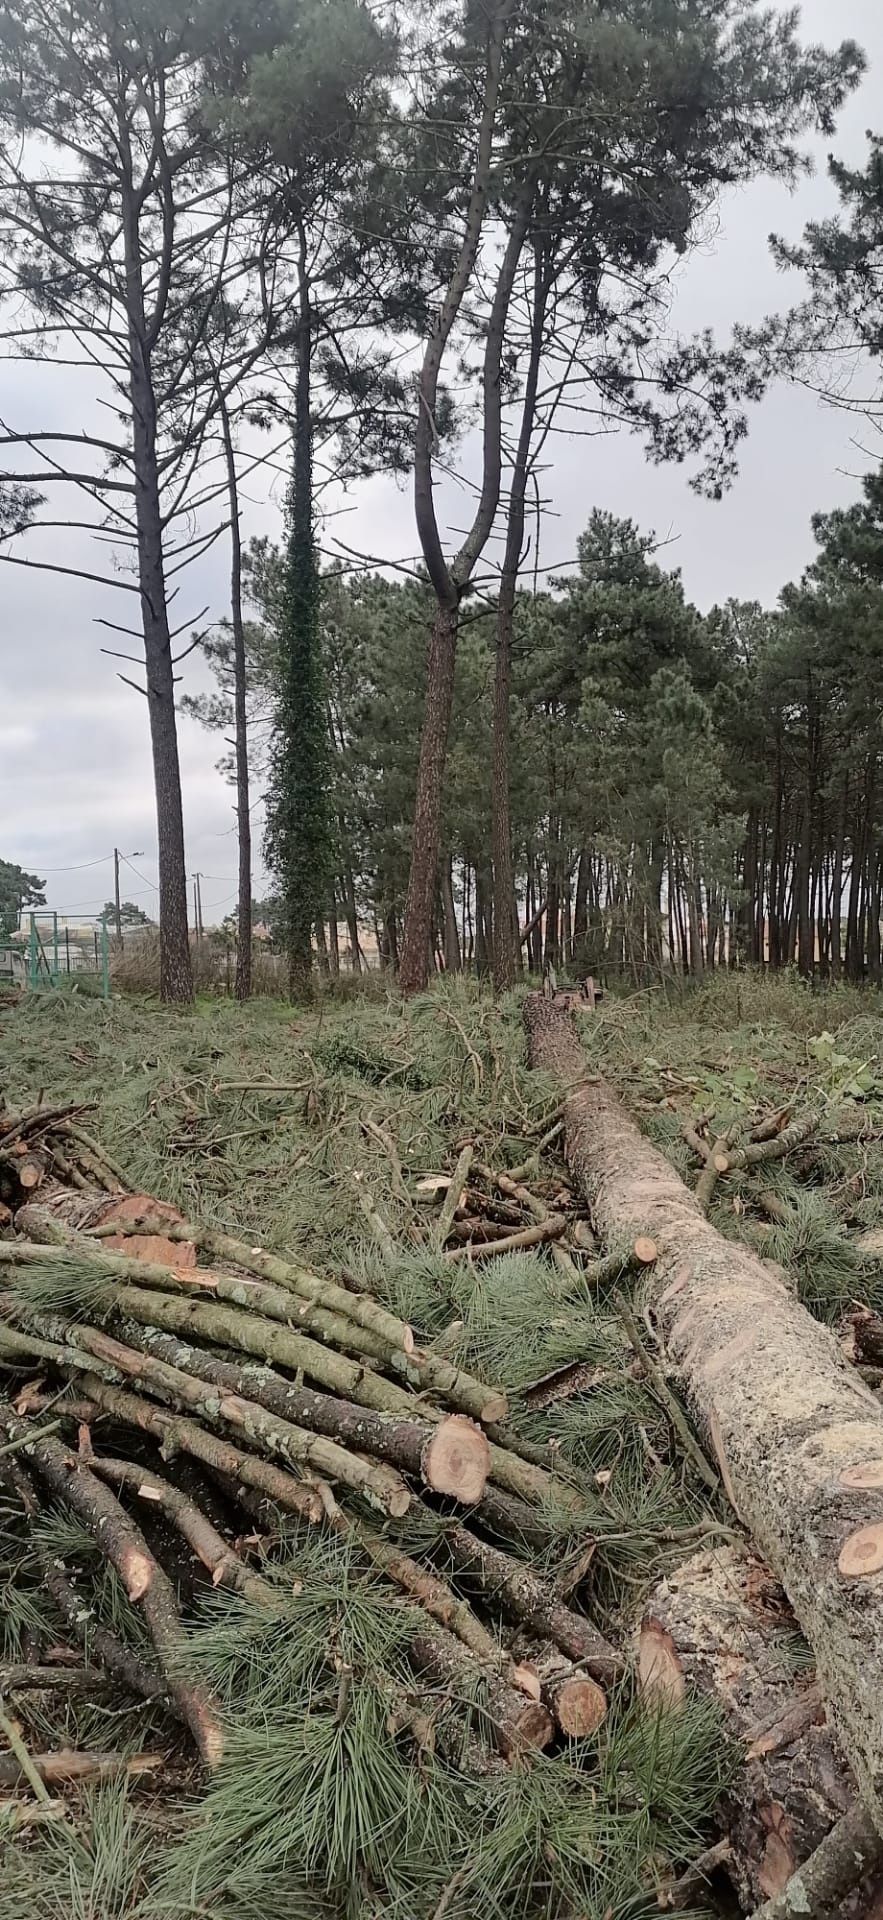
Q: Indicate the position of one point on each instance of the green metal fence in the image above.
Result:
(59, 950)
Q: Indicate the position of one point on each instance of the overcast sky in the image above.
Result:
(75, 775)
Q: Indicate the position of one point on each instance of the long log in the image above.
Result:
(427, 1371)
(298, 1447)
(77, 1611)
(451, 1456)
(523, 1595)
(310, 1286)
(798, 1438)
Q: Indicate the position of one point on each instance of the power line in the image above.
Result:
(140, 876)
(81, 868)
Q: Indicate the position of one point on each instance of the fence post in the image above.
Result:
(32, 952)
(105, 961)
(55, 949)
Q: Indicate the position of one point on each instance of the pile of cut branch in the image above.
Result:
(287, 1393)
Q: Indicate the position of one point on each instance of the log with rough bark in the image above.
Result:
(797, 1437)
(78, 1614)
(296, 1446)
(66, 1768)
(721, 1627)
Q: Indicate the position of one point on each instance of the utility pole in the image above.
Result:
(117, 857)
(197, 904)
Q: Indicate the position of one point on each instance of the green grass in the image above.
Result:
(328, 1810)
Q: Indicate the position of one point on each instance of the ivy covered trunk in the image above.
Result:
(297, 837)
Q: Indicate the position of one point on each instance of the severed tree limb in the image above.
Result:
(18, 1762)
(760, 1152)
(507, 1184)
(143, 1578)
(58, 1679)
(529, 1599)
(68, 1768)
(518, 1723)
(78, 1345)
(118, 1660)
(274, 1302)
(425, 1370)
(715, 1164)
(451, 1456)
(209, 1546)
(842, 1859)
(542, 1231)
(374, 1218)
(453, 1196)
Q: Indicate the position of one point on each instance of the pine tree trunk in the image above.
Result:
(416, 946)
(352, 921)
(453, 960)
(176, 977)
(505, 939)
(243, 803)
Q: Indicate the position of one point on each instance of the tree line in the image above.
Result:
(328, 238)
(685, 789)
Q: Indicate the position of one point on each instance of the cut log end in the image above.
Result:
(869, 1476)
(660, 1674)
(579, 1705)
(645, 1251)
(534, 1727)
(456, 1460)
(29, 1172)
(137, 1569)
(494, 1408)
(862, 1553)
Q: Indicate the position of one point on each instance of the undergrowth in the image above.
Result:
(326, 1803)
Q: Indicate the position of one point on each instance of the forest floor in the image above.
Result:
(296, 1131)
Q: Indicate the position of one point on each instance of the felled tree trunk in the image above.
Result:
(797, 1437)
(721, 1627)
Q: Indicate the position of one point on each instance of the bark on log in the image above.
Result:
(530, 1600)
(576, 1702)
(787, 1418)
(721, 1627)
(517, 1723)
(427, 1371)
(77, 1612)
(380, 1484)
(312, 1287)
(209, 1546)
(847, 1855)
(452, 1457)
(68, 1768)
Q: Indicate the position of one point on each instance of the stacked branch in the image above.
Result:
(298, 1395)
